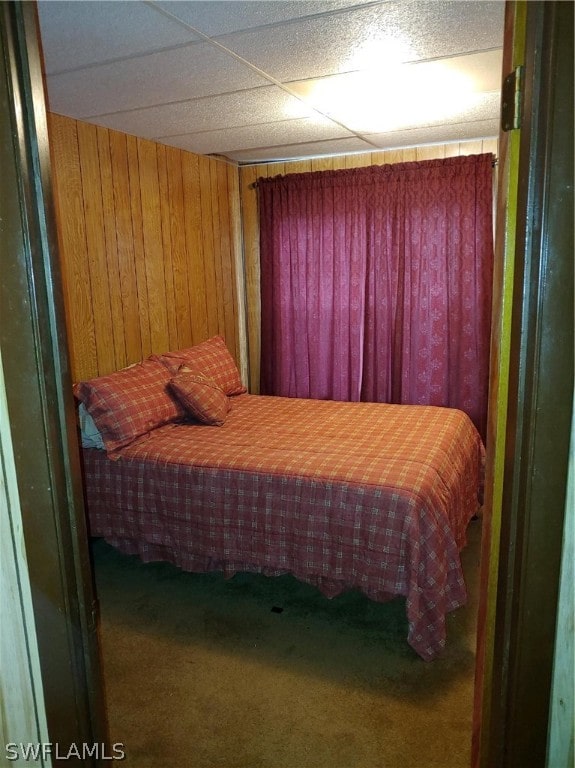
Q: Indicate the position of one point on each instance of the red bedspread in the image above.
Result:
(341, 495)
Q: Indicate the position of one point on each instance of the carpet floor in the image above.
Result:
(251, 672)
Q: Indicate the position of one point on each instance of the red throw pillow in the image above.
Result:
(201, 397)
(129, 403)
(212, 359)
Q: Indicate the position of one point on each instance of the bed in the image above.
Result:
(365, 496)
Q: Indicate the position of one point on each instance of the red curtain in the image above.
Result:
(376, 283)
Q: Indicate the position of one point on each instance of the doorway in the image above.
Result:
(61, 431)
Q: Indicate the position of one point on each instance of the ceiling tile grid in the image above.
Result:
(415, 137)
(225, 16)
(336, 42)
(267, 80)
(78, 34)
(300, 151)
(161, 77)
(252, 106)
(220, 142)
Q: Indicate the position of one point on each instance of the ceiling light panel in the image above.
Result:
(77, 34)
(403, 95)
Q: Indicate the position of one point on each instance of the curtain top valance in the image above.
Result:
(374, 174)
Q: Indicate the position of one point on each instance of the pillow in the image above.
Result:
(211, 358)
(201, 397)
(90, 436)
(128, 404)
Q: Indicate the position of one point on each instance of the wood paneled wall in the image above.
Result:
(149, 242)
(250, 223)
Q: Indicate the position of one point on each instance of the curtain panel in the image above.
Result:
(376, 283)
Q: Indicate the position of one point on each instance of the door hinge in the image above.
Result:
(511, 100)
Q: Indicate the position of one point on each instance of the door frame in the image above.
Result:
(39, 400)
(516, 649)
(38, 388)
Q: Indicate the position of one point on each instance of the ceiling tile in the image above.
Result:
(257, 105)
(76, 34)
(134, 67)
(299, 151)
(218, 18)
(354, 39)
(484, 68)
(270, 134)
(481, 129)
(192, 71)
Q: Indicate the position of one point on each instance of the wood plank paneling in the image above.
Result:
(250, 223)
(216, 246)
(164, 200)
(96, 245)
(211, 289)
(320, 164)
(250, 230)
(138, 243)
(68, 197)
(111, 248)
(153, 246)
(224, 248)
(358, 161)
(160, 247)
(194, 245)
(338, 163)
(178, 248)
(433, 152)
(123, 225)
(237, 249)
(148, 246)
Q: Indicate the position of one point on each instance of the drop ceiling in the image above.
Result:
(264, 81)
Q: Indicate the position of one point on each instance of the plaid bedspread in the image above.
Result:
(341, 495)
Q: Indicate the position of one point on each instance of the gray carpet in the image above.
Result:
(251, 672)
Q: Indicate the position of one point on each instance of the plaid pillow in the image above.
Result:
(212, 359)
(201, 397)
(128, 404)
